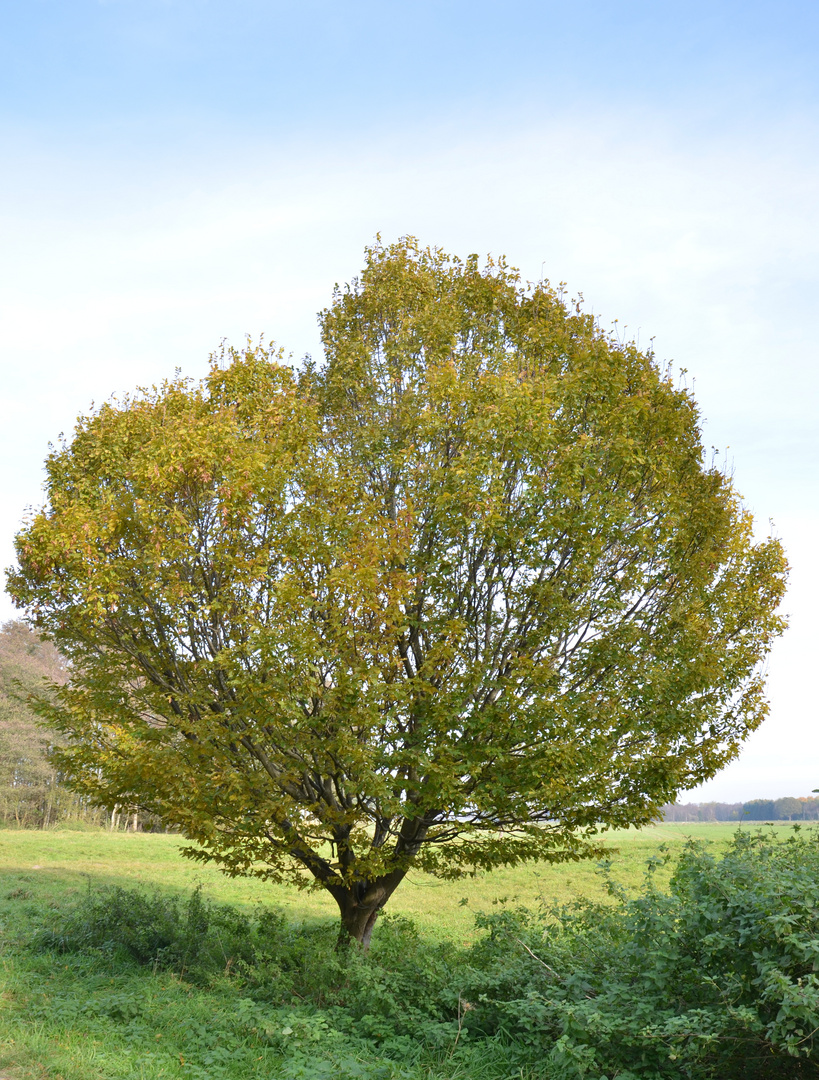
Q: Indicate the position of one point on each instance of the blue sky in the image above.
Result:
(272, 67)
(175, 173)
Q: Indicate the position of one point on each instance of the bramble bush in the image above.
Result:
(711, 979)
(714, 978)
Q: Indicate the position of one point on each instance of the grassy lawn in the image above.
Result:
(84, 1016)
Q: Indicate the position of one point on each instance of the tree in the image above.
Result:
(30, 794)
(759, 810)
(788, 807)
(457, 597)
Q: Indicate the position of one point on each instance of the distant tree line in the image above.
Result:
(31, 793)
(785, 809)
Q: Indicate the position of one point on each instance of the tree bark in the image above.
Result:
(360, 905)
(356, 926)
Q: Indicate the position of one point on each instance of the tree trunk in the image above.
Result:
(357, 926)
(360, 900)
(360, 905)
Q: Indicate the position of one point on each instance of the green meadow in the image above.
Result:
(54, 865)
(94, 1013)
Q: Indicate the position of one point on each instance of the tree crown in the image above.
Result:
(458, 596)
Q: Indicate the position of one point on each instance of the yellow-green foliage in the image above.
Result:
(449, 600)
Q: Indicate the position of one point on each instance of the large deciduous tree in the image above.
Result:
(458, 596)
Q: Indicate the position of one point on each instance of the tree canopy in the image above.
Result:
(456, 596)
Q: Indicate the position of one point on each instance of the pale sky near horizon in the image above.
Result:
(176, 172)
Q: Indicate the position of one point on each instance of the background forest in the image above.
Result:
(31, 793)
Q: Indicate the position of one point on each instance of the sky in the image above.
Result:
(181, 172)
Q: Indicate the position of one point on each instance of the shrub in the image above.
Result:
(714, 979)
(191, 936)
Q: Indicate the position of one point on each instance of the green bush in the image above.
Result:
(194, 936)
(715, 978)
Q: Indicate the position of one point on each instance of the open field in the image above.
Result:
(89, 1015)
(53, 864)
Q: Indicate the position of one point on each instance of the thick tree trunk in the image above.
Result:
(357, 926)
(360, 901)
(360, 905)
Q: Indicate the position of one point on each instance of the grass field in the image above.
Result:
(80, 1018)
(54, 864)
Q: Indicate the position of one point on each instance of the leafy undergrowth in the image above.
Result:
(712, 979)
